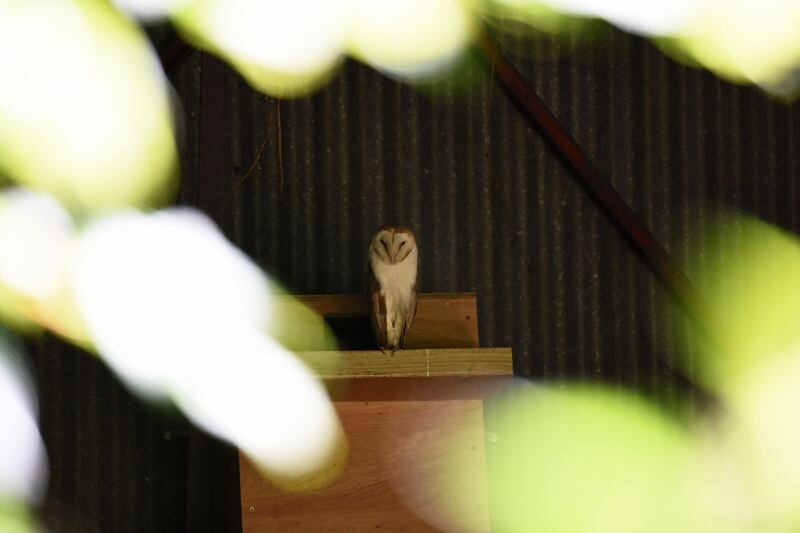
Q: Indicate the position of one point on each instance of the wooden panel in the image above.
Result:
(445, 321)
(442, 320)
(412, 402)
(396, 450)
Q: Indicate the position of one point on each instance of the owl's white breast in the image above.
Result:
(396, 280)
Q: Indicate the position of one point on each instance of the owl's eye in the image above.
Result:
(401, 245)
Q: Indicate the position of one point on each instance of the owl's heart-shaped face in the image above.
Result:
(393, 245)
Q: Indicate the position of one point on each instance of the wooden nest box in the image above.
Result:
(392, 408)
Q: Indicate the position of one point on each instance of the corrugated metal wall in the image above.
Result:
(495, 211)
(307, 181)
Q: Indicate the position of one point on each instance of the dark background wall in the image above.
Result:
(303, 183)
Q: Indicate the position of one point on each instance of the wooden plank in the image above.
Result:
(397, 450)
(443, 320)
(440, 374)
(410, 363)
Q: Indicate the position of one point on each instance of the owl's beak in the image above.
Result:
(394, 255)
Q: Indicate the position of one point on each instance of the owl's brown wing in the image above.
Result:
(377, 308)
(412, 310)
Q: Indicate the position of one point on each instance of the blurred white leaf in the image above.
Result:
(150, 9)
(22, 455)
(179, 312)
(35, 234)
(84, 113)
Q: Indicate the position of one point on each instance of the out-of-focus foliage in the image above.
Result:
(295, 325)
(15, 518)
(150, 9)
(503, 14)
(16, 312)
(282, 48)
(763, 436)
(22, 456)
(83, 109)
(36, 235)
(176, 310)
(747, 41)
(589, 460)
(574, 458)
(654, 17)
(290, 48)
(410, 39)
(750, 274)
(180, 313)
(743, 41)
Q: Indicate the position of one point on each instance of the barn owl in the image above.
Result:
(392, 285)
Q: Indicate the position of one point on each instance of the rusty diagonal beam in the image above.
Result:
(627, 222)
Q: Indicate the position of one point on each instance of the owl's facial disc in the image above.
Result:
(403, 245)
(382, 245)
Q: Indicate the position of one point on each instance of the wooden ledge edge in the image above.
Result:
(417, 363)
(415, 389)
